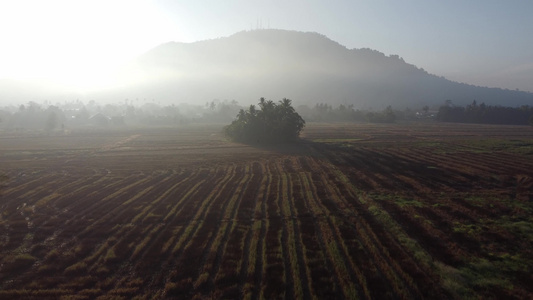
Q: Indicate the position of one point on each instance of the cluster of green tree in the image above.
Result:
(323, 112)
(271, 123)
(485, 114)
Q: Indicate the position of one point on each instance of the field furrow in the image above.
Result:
(353, 211)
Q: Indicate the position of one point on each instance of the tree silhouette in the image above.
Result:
(271, 123)
(386, 116)
(486, 114)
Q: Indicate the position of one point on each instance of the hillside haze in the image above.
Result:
(306, 67)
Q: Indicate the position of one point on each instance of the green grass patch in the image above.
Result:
(468, 229)
(399, 200)
(347, 140)
(522, 146)
(522, 228)
(482, 276)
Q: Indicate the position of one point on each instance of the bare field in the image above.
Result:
(419, 211)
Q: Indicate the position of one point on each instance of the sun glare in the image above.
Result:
(76, 45)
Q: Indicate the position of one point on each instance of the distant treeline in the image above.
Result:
(485, 114)
(323, 112)
(76, 114)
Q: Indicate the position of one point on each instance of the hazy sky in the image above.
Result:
(79, 43)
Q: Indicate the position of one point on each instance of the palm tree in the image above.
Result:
(273, 122)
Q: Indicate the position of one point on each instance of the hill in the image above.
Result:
(303, 66)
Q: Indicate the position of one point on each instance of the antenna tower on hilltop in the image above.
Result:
(259, 24)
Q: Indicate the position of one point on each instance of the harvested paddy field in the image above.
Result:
(354, 211)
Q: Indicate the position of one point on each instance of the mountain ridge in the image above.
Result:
(309, 68)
